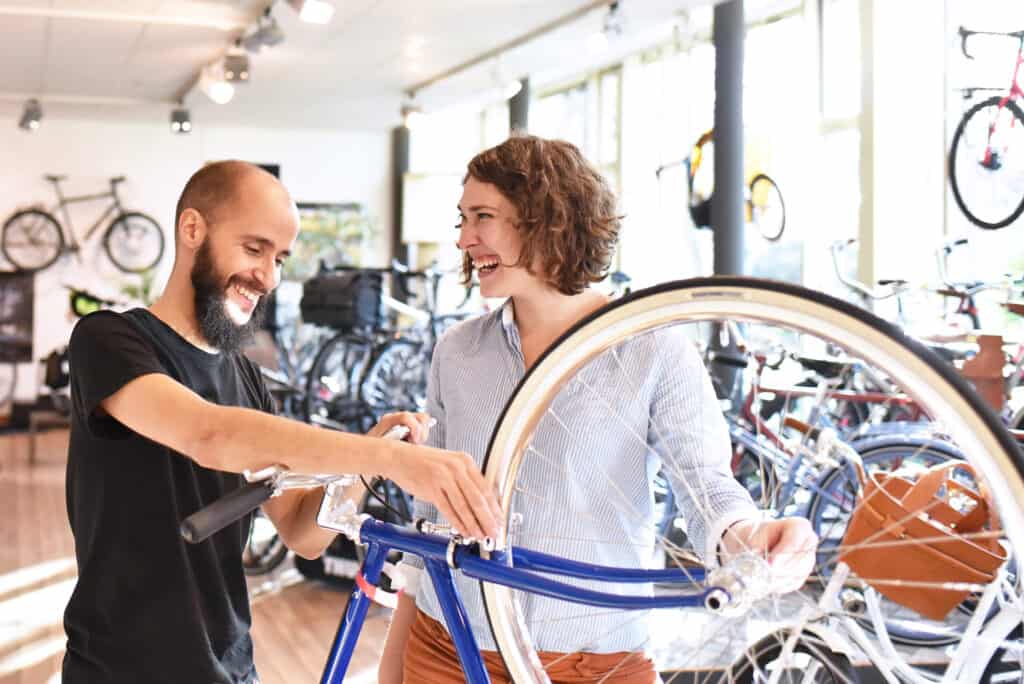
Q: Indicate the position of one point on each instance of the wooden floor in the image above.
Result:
(293, 625)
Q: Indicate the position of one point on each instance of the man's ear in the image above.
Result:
(192, 229)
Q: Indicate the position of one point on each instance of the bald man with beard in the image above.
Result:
(167, 412)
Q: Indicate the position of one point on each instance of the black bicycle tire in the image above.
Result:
(318, 361)
(379, 356)
(839, 666)
(46, 216)
(268, 563)
(7, 389)
(954, 147)
(153, 224)
(775, 236)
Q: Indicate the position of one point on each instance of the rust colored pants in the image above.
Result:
(430, 657)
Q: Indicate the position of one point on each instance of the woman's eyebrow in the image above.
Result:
(477, 207)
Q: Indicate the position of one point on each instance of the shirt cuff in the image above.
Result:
(715, 532)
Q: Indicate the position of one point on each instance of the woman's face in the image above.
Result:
(488, 234)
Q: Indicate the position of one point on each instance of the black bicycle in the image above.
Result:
(368, 368)
(33, 239)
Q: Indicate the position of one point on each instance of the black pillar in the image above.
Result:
(727, 200)
(399, 167)
(519, 109)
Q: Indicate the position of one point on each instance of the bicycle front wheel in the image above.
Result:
(134, 242)
(31, 240)
(595, 365)
(986, 163)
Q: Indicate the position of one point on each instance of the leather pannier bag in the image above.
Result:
(344, 300)
(909, 534)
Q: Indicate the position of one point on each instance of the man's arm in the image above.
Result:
(235, 439)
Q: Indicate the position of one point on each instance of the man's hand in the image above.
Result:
(450, 480)
(418, 424)
(789, 545)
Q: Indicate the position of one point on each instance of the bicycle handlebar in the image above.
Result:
(893, 287)
(226, 510)
(966, 33)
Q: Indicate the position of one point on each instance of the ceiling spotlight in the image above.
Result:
(614, 21)
(213, 83)
(412, 116)
(31, 115)
(511, 89)
(612, 26)
(313, 11)
(267, 34)
(236, 65)
(181, 122)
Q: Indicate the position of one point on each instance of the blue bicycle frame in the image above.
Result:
(523, 573)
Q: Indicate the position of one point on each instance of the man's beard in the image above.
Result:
(214, 322)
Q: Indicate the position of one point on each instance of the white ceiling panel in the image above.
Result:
(81, 43)
(22, 51)
(100, 56)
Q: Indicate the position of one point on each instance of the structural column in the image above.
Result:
(399, 167)
(727, 199)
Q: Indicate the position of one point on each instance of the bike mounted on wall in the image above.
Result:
(33, 239)
(763, 203)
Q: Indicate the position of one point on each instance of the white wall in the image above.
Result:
(316, 166)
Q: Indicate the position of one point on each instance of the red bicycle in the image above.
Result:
(986, 157)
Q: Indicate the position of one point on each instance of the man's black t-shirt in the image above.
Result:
(149, 607)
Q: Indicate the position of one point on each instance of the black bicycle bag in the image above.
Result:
(343, 301)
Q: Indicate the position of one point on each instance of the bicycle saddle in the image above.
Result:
(116, 180)
(950, 354)
(828, 368)
(55, 179)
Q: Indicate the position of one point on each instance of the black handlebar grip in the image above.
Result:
(224, 511)
(727, 359)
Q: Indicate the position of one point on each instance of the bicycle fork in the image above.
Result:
(355, 614)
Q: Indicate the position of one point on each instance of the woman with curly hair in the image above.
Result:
(538, 225)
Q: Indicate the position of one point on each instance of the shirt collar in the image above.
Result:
(508, 325)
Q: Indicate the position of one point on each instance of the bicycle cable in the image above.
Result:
(401, 516)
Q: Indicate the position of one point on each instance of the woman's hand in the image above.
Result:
(418, 424)
(788, 544)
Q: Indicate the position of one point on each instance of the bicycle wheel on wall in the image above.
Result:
(134, 242)
(31, 239)
(767, 210)
(986, 163)
(583, 367)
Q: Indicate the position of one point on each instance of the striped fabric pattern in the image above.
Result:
(584, 487)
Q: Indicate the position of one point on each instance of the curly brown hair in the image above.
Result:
(567, 212)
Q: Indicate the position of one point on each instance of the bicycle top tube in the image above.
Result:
(524, 573)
